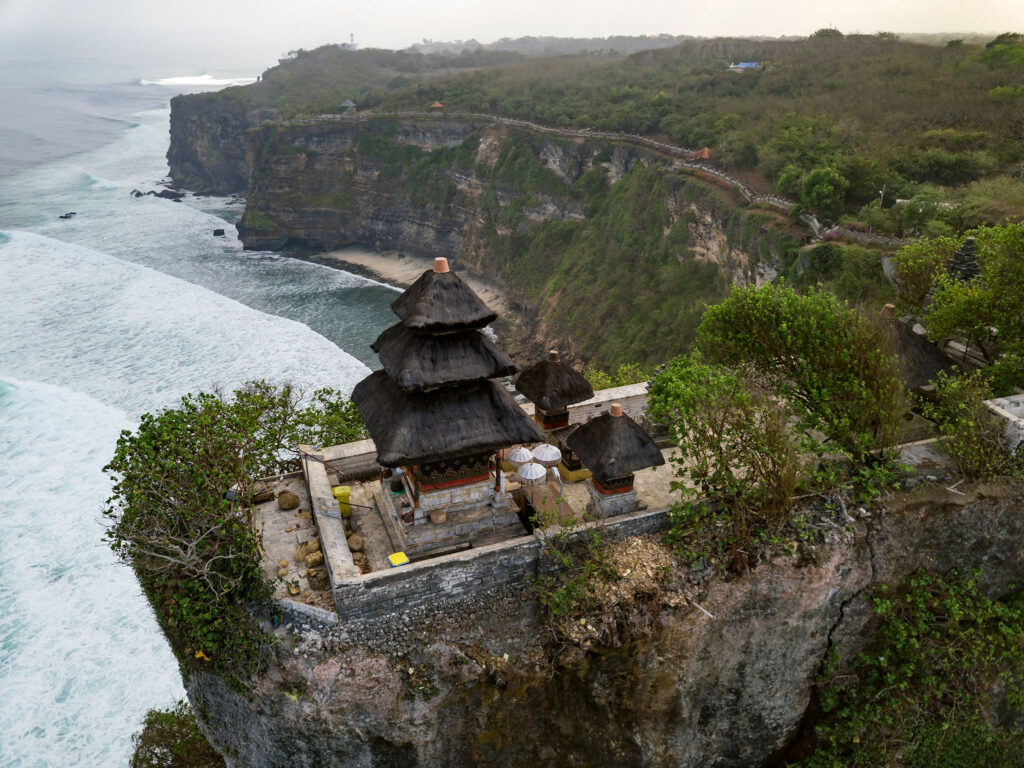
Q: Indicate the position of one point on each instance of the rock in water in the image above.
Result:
(287, 500)
(218, 233)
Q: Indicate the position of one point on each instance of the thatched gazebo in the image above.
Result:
(552, 386)
(613, 446)
(435, 412)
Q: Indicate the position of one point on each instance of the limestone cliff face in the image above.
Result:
(553, 218)
(209, 151)
(323, 186)
(486, 682)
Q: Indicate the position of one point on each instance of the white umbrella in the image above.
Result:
(547, 454)
(532, 472)
(519, 456)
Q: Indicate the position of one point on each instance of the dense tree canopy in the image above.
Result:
(191, 542)
(832, 364)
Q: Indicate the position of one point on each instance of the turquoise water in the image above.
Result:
(118, 311)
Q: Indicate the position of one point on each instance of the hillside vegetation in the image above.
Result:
(928, 123)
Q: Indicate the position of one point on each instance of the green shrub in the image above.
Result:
(972, 434)
(733, 437)
(923, 694)
(833, 366)
(987, 312)
(627, 373)
(192, 546)
(170, 738)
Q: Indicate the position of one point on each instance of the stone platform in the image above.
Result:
(492, 517)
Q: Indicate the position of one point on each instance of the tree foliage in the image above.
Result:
(192, 545)
(988, 311)
(835, 367)
(170, 738)
(626, 373)
(973, 436)
(823, 190)
(944, 660)
(917, 266)
(733, 436)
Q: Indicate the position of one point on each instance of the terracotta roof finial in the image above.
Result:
(440, 265)
(615, 409)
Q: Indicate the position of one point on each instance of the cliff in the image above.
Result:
(209, 149)
(573, 227)
(648, 680)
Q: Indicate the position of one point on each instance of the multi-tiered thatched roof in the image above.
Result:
(417, 360)
(552, 385)
(411, 427)
(613, 445)
(440, 302)
(434, 400)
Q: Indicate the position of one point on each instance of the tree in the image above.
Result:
(987, 312)
(917, 266)
(833, 365)
(824, 190)
(733, 437)
(170, 738)
(192, 544)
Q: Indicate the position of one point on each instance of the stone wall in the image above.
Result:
(466, 573)
(1011, 411)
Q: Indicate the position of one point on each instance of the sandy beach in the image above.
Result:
(402, 270)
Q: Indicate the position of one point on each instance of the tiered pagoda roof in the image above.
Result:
(434, 399)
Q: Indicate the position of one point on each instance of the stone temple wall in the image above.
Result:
(466, 573)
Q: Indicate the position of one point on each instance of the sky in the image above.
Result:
(250, 34)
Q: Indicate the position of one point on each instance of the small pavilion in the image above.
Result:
(613, 446)
(552, 386)
(437, 417)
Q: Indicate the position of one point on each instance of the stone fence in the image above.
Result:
(463, 574)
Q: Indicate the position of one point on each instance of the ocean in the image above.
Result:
(114, 312)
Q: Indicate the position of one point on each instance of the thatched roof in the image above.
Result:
(613, 446)
(440, 301)
(552, 385)
(410, 427)
(428, 360)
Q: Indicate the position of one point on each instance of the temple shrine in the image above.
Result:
(613, 447)
(437, 418)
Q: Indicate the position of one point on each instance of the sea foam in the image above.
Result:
(81, 656)
(137, 339)
(199, 80)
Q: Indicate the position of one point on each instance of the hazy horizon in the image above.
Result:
(133, 38)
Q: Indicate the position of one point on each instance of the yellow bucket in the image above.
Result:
(342, 493)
